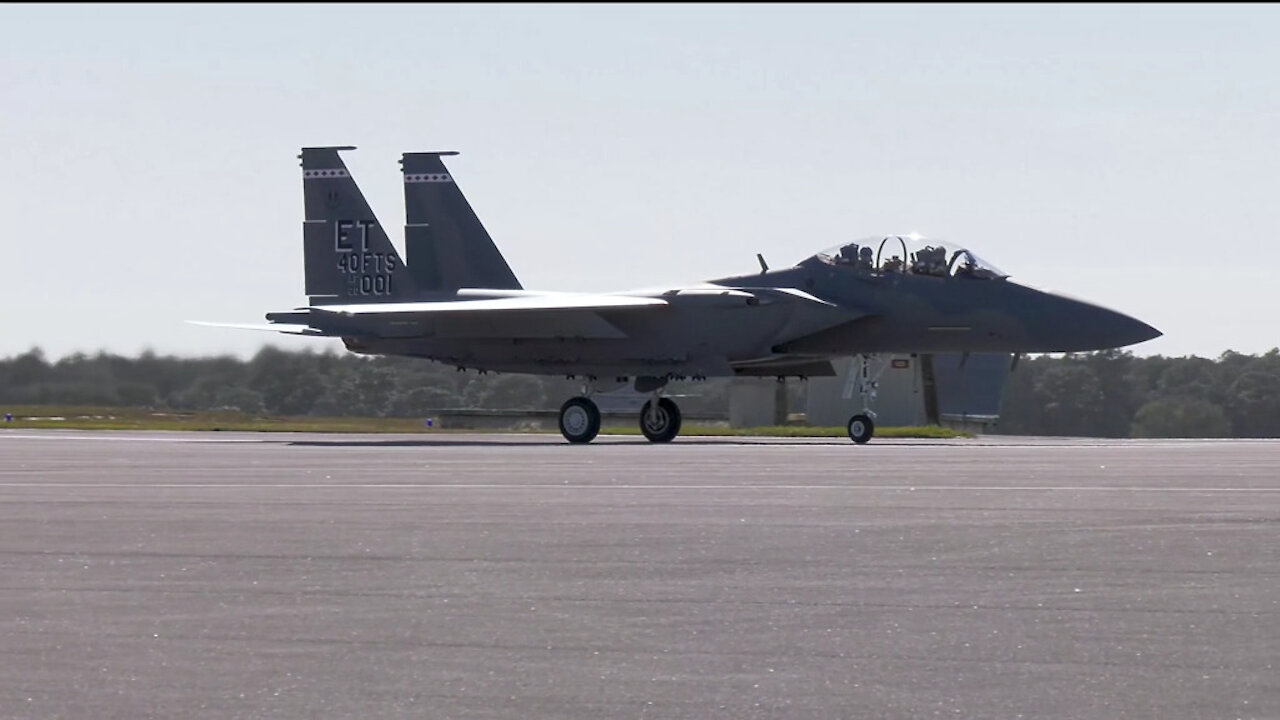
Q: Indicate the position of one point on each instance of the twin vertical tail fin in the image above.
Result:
(446, 245)
(346, 252)
(348, 257)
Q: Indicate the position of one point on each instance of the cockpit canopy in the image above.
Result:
(911, 254)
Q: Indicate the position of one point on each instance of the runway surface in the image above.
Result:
(225, 575)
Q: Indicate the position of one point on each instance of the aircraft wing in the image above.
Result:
(515, 301)
(549, 301)
(526, 314)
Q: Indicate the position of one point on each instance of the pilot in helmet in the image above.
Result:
(865, 258)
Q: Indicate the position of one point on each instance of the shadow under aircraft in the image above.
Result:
(454, 299)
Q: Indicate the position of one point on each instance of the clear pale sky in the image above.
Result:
(1127, 155)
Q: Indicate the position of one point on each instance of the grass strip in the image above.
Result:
(77, 417)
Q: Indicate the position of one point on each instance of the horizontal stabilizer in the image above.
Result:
(276, 327)
(553, 301)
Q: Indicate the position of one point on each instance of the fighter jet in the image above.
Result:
(457, 301)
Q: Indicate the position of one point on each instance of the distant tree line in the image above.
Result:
(1114, 394)
(280, 382)
(1103, 394)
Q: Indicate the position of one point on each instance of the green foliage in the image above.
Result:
(1104, 394)
(238, 399)
(1071, 399)
(1180, 417)
(115, 418)
(1113, 394)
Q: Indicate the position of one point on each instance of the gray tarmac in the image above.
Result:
(226, 575)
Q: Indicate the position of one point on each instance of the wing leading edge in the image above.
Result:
(548, 302)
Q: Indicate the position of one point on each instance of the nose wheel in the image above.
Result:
(661, 422)
(861, 428)
(579, 420)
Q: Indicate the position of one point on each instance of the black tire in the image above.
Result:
(579, 420)
(861, 428)
(665, 425)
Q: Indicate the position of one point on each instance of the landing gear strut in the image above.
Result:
(862, 425)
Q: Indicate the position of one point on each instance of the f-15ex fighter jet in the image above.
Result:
(457, 301)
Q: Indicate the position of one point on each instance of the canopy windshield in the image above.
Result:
(912, 254)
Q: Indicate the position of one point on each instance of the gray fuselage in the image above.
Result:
(769, 332)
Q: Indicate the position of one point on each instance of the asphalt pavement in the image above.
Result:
(244, 575)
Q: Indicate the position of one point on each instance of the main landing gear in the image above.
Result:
(579, 420)
(660, 422)
(659, 418)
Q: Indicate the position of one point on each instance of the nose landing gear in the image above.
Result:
(862, 425)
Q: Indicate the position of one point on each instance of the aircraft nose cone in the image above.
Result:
(1135, 331)
(1058, 323)
(1089, 327)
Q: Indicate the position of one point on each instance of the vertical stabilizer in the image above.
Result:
(446, 245)
(347, 254)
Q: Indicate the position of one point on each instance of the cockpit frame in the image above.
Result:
(880, 250)
(930, 259)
